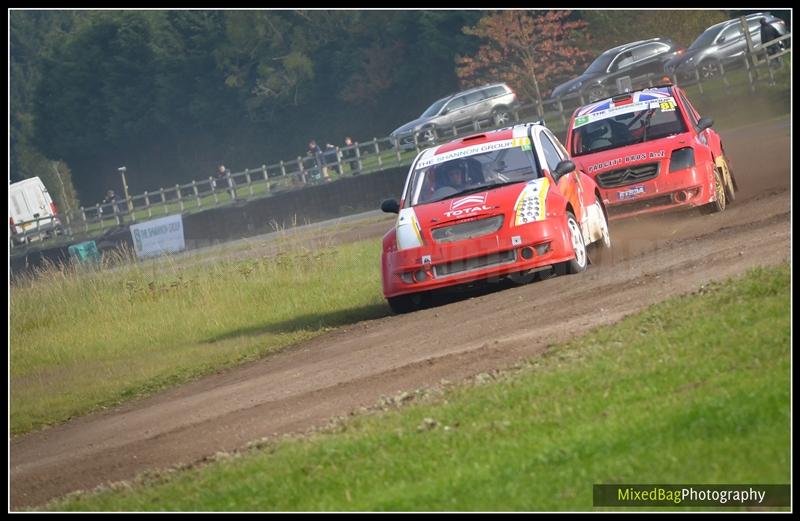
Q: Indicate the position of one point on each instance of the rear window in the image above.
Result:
(497, 90)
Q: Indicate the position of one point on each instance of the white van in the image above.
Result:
(32, 214)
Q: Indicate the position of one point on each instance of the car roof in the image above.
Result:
(501, 134)
(600, 104)
(751, 16)
(626, 46)
(474, 89)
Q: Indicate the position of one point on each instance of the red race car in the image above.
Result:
(650, 151)
(504, 203)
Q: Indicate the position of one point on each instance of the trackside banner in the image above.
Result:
(159, 236)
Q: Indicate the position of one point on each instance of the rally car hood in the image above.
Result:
(475, 204)
(648, 152)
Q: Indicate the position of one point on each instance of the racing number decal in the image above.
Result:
(667, 105)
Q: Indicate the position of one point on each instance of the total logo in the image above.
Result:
(467, 205)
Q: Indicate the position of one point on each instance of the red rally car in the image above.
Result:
(650, 151)
(503, 203)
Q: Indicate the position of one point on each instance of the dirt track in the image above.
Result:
(332, 375)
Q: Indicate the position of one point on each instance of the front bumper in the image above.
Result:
(669, 191)
(511, 250)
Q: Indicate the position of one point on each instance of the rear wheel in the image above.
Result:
(598, 249)
(501, 117)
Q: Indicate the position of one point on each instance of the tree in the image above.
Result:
(530, 50)
(612, 28)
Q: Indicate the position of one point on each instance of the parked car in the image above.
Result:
(496, 102)
(645, 57)
(32, 213)
(505, 203)
(650, 151)
(723, 43)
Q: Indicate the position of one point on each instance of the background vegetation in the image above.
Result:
(171, 94)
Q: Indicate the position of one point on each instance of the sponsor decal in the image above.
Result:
(633, 192)
(633, 158)
(469, 151)
(468, 211)
(473, 200)
(664, 104)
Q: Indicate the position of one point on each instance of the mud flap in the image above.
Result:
(727, 178)
(592, 227)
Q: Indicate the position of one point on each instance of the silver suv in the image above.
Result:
(496, 103)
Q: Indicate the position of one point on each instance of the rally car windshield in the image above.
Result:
(614, 129)
(439, 178)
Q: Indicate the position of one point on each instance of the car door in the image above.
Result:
(453, 112)
(567, 185)
(647, 59)
(731, 42)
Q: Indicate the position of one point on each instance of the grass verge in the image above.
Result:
(692, 390)
(151, 325)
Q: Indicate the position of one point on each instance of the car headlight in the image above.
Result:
(530, 205)
(681, 159)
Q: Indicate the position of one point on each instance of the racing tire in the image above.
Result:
(720, 203)
(598, 250)
(709, 69)
(596, 92)
(730, 183)
(581, 260)
(501, 117)
(408, 303)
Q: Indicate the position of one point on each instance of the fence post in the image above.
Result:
(98, 212)
(303, 178)
(164, 200)
(561, 113)
(249, 181)
(180, 196)
(196, 194)
(85, 223)
(147, 204)
(724, 78)
(213, 190)
(377, 151)
(266, 175)
(699, 83)
(358, 157)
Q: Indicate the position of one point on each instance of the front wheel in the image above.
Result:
(596, 92)
(578, 264)
(719, 189)
(709, 69)
(501, 117)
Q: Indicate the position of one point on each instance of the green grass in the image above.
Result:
(692, 390)
(154, 324)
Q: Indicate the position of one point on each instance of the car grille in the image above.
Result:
(474, 263)
(628, 175)
(467, 230)
(618, 209)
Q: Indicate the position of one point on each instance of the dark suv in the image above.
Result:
(723, 43)
(645, 57)
(496, 103)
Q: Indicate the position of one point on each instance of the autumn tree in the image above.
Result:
(530, 50)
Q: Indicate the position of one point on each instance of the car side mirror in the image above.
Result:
(721, 40)
(445, 111)
(390, 206)
(564, 167)
(704, 123)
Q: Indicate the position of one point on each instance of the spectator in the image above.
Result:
(332, 158)
(223, 178)
(769, 33)
(350, 154)
(114, 207)
(316, 152)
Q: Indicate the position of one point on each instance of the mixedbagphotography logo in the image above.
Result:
(716, 495)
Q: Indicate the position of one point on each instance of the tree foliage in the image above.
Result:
(530, 50)
(612, 28)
